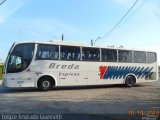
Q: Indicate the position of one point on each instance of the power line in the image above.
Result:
(1, 2)
(111, 30)
(138, 8)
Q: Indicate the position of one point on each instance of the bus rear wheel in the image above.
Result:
(130, 81)
(45, 84)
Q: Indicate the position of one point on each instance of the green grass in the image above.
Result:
(1, 66)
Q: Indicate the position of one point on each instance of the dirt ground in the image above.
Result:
(88, 102)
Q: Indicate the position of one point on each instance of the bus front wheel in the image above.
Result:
(45, 84)
(130, 81)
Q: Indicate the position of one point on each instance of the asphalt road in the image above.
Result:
(84, 102)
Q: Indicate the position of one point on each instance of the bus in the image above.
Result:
(45, 65)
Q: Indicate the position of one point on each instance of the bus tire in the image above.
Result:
(130, 81)
(45, 84)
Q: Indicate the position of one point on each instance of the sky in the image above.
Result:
(81, 21)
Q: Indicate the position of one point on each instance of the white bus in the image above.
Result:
(48, 64)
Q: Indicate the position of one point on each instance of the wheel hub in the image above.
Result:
(46, 84)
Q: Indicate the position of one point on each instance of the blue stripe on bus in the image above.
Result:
(118, 72)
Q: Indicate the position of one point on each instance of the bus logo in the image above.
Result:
(59, 66)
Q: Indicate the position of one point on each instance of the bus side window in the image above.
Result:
(90, 54)
(151, 57)
(139, 57)
(47, 52)
(109, 55)
(70, 53)
(125, 56)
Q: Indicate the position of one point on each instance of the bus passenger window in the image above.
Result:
(151, 57)
(90, 54)
(139, 57)
(125, 56)
(70, 53)
(47, 52)
(109, 55)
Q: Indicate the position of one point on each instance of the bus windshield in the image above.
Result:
(20, 57)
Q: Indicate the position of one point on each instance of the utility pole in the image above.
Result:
(62, 37)
(91, 42)
(94, 42)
